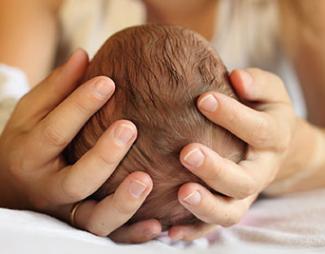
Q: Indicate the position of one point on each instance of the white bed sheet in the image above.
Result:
(290, 224)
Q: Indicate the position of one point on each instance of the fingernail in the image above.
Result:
(137, 188)
(194, 158)
(103, 87)
(193, 199)
(246, 77)
(209, 103)
(123, 134)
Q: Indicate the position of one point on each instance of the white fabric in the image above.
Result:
(13, 85)
(13, 82)
(290, 224)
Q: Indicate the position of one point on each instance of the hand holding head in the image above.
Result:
(159, 72)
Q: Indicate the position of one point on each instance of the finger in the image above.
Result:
(258, 85)
(221, 174)
(139, 232)
(95, 167)
(255, 128)
(264, 160)
(190, 232)
(54, 89)
(112, 212)
(55, 132)
(212, 209)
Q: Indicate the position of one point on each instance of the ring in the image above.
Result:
(73, 213)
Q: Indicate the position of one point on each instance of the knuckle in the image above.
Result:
(284, 141)
(230, 220)
(232, 119)
(39, 203)
(53, 137)
(98, 231)
(261, 137)
(247, 189)
(88, 105)
(282, 144)
(213, 174)
(70, 191)
(93, 226)
(14, 163)
(17, 164)
(211, 215)
(106, 161)
(83, 106)
(123, 208)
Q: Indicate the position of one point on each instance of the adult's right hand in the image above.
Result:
(33, 174)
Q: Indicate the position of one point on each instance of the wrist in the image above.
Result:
(304, 159)
(9, 194)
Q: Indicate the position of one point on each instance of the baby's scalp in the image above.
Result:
(159, 72)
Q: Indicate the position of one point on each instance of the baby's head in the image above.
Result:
(159, 72)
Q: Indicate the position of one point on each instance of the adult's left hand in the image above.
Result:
(266, 125)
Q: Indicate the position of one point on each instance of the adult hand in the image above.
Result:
(267, 126)
(34, 175)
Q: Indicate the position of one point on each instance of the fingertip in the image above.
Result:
(103, 87)
(138, 232)
(139, 185)
(78, 58)
(201, 96)
(149, 229)
(143, 178)
(129, 124)
(236, 81)
(242, 81)
(176, 233)
(152, 228)
(186, 150)
(105, 79)
(186, 190)
(124, 132)
(80, 52)
(208, 102)
(70, 72)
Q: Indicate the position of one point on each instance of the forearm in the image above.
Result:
(303, 37)
(28, 32)
(304, 166)
(302, 33)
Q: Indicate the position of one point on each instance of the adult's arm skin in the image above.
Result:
(302, 27)
(303, 30)
(29, 29)
(34, 176)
